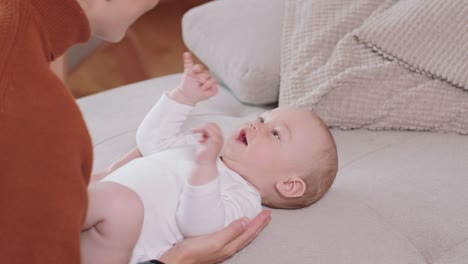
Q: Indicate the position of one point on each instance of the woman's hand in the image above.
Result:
(219, 246)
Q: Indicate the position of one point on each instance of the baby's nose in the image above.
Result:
(253, 126)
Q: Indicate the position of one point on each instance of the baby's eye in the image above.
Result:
(275, 134)
(261, 120)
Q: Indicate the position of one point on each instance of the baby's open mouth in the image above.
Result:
(243, 138)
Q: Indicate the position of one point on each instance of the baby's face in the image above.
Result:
(280, 143)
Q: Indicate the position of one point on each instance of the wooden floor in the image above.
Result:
(153, 47)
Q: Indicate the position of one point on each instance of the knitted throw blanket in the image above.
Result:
(378, 64)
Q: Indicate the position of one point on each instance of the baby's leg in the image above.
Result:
(113, 224)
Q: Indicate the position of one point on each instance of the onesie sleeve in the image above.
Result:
(161, 127)
(203, 209)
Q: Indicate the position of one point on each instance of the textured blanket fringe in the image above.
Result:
(390, 57)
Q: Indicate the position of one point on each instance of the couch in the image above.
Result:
(399, 196)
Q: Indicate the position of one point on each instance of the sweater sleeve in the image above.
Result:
(203, 209)
(161, 127)
(46, 151)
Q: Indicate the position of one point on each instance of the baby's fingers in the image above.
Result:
(199, 129)
(203, 132)
(210, 84)
(188, 61)
(208, 130)
(198, 68)
(204, 76)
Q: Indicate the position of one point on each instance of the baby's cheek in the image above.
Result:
(265, 156)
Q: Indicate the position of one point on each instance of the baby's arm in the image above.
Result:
(202, 209)
(161, 127)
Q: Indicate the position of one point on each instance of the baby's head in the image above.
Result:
(288, 154)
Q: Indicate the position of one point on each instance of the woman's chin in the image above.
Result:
(112, 37)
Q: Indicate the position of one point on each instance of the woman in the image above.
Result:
(46, 151)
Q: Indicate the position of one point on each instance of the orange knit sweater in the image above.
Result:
(45, 149)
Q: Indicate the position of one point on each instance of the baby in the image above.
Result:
(285, 159)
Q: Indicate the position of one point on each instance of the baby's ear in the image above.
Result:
(292, 187)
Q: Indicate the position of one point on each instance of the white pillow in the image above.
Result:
(240, 42)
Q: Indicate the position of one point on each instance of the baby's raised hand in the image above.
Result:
(211, 141)
(197, 83)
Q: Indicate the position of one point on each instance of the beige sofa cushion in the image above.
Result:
(240, 42)
(399, 197)
(344, 60)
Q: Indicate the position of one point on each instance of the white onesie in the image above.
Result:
(173, 208)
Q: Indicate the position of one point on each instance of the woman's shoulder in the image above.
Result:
(14, 17)
(9, 24)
